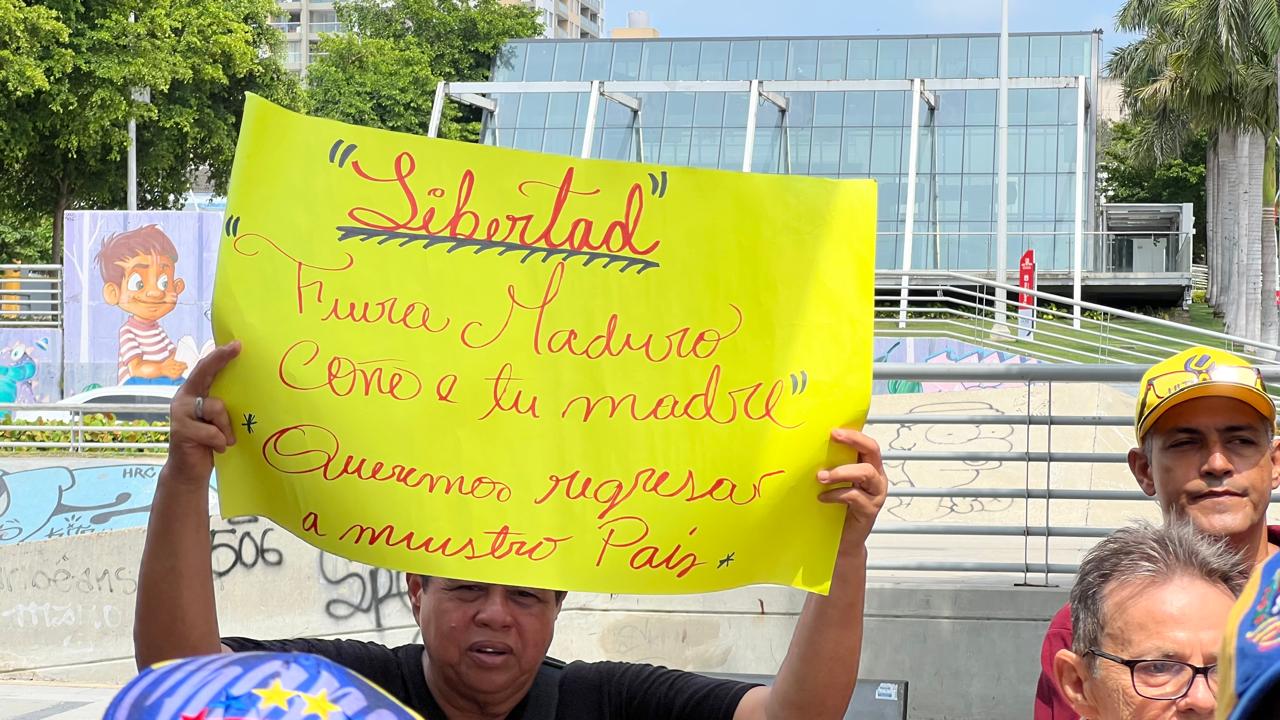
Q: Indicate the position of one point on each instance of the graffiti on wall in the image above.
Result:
(137, 291)
(29, 369)
(57, 501)
(937, 351)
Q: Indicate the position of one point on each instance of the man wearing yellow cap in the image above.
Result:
(1207, 452)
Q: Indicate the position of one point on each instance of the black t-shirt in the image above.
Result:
(588, 691)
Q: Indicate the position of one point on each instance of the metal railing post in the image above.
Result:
(912, 158)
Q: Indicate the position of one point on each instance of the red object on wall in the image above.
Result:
(1027, 277)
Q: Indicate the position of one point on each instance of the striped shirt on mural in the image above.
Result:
(141, 340)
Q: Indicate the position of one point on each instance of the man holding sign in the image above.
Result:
(484, 647)
(512, 371)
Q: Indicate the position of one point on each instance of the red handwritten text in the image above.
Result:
(628, 532)
(612, 493)
(493, 545)
(342, 376)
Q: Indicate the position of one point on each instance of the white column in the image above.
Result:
(437, 109)
(133, 165)
(593, 107)
(1002, 173)
(1077, 254)
(753, 108)
(908, 234)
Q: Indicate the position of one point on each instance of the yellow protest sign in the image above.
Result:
(532, 369)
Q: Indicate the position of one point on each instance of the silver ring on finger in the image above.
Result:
(200, 409)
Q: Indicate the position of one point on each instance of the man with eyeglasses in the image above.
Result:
(1205, 427)
(1149, 609)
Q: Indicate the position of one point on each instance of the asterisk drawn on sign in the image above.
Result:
(724, 562)
(249, 422)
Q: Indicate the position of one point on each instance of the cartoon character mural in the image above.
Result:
(938, 351)
(138, 287)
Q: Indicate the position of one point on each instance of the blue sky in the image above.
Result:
(699, 18)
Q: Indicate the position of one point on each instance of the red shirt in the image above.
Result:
(1050, 704)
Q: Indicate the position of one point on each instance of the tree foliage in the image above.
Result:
(65, 117)
(383, 71)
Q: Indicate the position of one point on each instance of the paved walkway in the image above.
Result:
(49, 701)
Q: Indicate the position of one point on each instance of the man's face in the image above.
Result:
(149, 290)
(1180, 619)
(485, 642)
(1211, 461)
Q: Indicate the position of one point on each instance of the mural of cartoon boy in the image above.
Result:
(139, 268)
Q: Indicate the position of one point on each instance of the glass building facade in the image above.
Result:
(848, 114)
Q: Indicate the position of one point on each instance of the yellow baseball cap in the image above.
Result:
(1195, 373)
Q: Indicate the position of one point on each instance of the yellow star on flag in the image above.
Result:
(318, 705)
(275, 696)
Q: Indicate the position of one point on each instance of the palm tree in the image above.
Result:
(1213, 65)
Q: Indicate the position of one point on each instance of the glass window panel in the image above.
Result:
(889, 251)
(1038, 196)
(1018, 55)
(922, 57)
(528, 140)
(508, 110)
(714, 62)
(596, 60)
(799, 142)
(862, 60)
(924, 205)
(799, 109)
(773, 60)
(626, 61)
(886, 150)
(562, 110)
(1014, 203)
(802, 60)
(979, 149)
(859, 108)
(735, 109)
(742, 59)
(684, 60)
(889, 198)
(831, 59)
(1067, 149)
(1042, 106)
(924, 151)
(732, 148)
(950, 108)
(568, 62)
(1042, 149)
(615, 115)
(509, 65)
(652, 144)
(1076, 52)
(948, 197)
(983, 57)
(542, 56)
(1066, 197)
(891, 60)
(533, 113)
(705, 148)
(889, 107)
(655, 63)
(679, 109)
(616, 144)
(1043, 59)
(856, 158)
(950, 157)
(979, 199)
(953, 58)
(1017, 149)
(980, 107)
(709, 110)
(975, 247)
(828, 109)
(1068, 105)
(768, 150)
(1017, 107)
(768, 115)
(675, 146)
(653, 108)
(824, 159)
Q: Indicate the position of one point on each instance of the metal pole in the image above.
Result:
(593, 106)
(1077, 255)
(133, 165)
(909, 230)
(753, 108)
(437, 109)
(1002, 169)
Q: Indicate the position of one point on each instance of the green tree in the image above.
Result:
(65, 134)
(383, 71)
(1123, 176)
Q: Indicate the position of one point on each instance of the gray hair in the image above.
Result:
(1150, 554)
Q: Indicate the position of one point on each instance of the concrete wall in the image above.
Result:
(66, 613)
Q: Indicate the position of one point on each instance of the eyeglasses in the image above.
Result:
(1165, 384)
(1164, 679)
